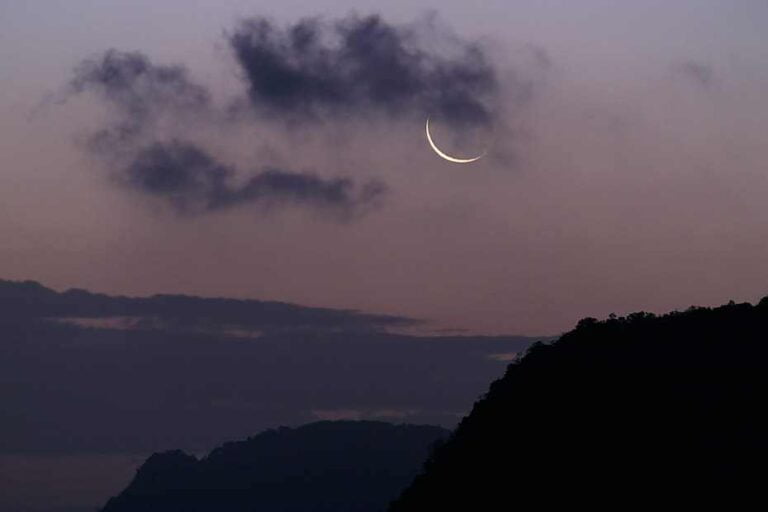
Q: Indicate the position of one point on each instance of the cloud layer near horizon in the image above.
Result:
(30, 300)
(189, 371)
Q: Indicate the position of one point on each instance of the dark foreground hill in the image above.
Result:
(324, 466)
(637, 412)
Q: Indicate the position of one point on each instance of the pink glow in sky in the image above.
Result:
(633, 178)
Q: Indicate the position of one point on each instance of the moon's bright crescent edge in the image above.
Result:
(449, 157)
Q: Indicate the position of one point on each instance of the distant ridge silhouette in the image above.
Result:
(640, 411)
(324, 466)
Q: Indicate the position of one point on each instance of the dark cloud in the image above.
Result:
(182, 173)
(140, 92)
(193, 182)
(311, 70)
(702, 74)
(315, 70)
(137, 87)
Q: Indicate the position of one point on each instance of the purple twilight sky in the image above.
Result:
(628, 168)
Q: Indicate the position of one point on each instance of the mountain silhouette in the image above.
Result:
(324, 466)
(633, 412)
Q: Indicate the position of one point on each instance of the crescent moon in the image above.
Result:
(449, 157)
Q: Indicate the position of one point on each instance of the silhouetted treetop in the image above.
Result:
(640, 410)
